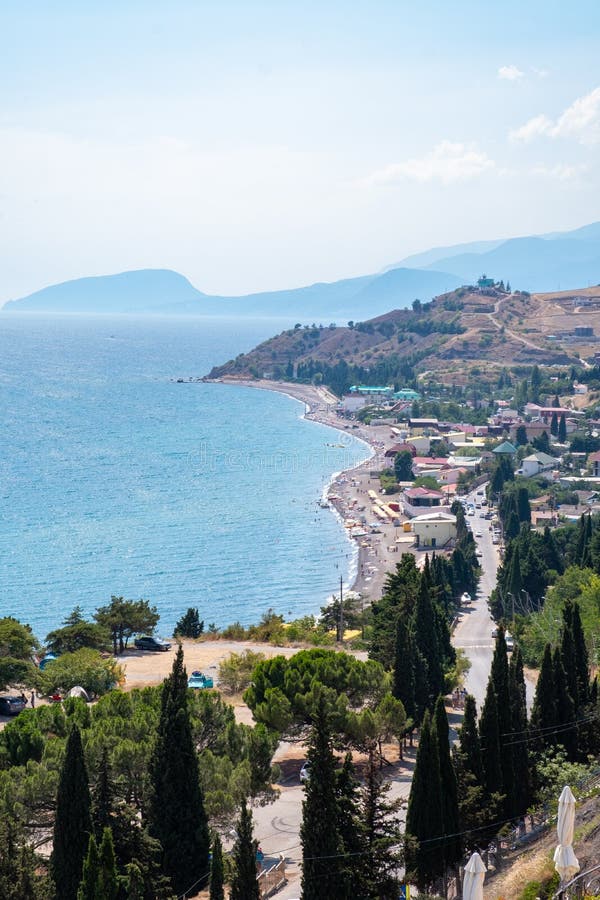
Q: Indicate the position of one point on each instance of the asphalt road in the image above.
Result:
(473, 633)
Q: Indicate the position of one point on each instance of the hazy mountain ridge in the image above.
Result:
(166, 292)
(547, 262)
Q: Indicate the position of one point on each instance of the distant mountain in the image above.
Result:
(144, 290)
(429, 257)
(166, 292)
(546, 262)
(532, 264)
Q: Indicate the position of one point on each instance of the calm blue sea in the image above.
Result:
(114, 479)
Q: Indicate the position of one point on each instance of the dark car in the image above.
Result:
(11, 706)
(152, 643)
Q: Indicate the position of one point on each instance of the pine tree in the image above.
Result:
(217, 879)
(489, 735)
(562, 430)
(72, 824)
(321, 843)
(521, 792)
(424, 822)
(244, 885)
(18, 880)
(176, 815)
(403, 687)
(565, 708)
(544, 713)
(452, 847)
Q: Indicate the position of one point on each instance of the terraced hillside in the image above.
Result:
(449, 336)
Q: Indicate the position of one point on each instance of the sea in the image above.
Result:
(115, 479)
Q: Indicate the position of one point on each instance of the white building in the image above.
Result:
(434, 530)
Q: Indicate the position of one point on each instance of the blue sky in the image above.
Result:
(256, 146)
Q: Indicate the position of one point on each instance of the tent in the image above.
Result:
(78, 691)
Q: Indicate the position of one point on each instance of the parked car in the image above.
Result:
(465, 598)
(199, 681)
(305, 772)
(12, 706)
(151, 643)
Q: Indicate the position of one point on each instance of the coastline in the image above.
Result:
(374, 554)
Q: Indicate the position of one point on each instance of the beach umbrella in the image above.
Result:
(473, 878)
(565, 861)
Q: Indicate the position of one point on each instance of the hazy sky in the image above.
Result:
(261, 145)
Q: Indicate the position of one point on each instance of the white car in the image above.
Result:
(465, 598)
(305, 772)
(477, 534)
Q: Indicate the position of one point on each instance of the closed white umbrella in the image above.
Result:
(565, 861)
(473, 878)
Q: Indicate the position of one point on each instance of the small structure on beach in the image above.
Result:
(434, 530)
(419, 500)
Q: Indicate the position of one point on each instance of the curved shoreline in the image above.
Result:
(373, 556)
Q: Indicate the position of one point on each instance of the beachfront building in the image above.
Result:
(419, 500)
(434, 530)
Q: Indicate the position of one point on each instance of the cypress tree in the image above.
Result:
(511, 529)
(521, 792)
(102, 797)
(523, 507)
(176, 814)
(73, 824)
(426, 640)
(321, 843)
(552, 557)
(217, 878)
(568, 653)
(543, 713)
(452, 841)
(562, 429)
(489, 735)
(554, 425)
(565, 708)
(421, 669)
(581, 656)
(424, 823)
(381, 834)
(470, 745)
(403, 686)
(244, 885)
(514, 581)
(351, 829)
(88, 889)
(500, 682)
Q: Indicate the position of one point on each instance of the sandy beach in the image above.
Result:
(348, 493)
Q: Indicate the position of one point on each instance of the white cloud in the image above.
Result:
(580, 120)
(447, 162)
(510, 73)
(559, 171)
(541, 73)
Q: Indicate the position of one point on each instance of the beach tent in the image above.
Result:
(473, 878)
(78, 691)
(565, 861)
